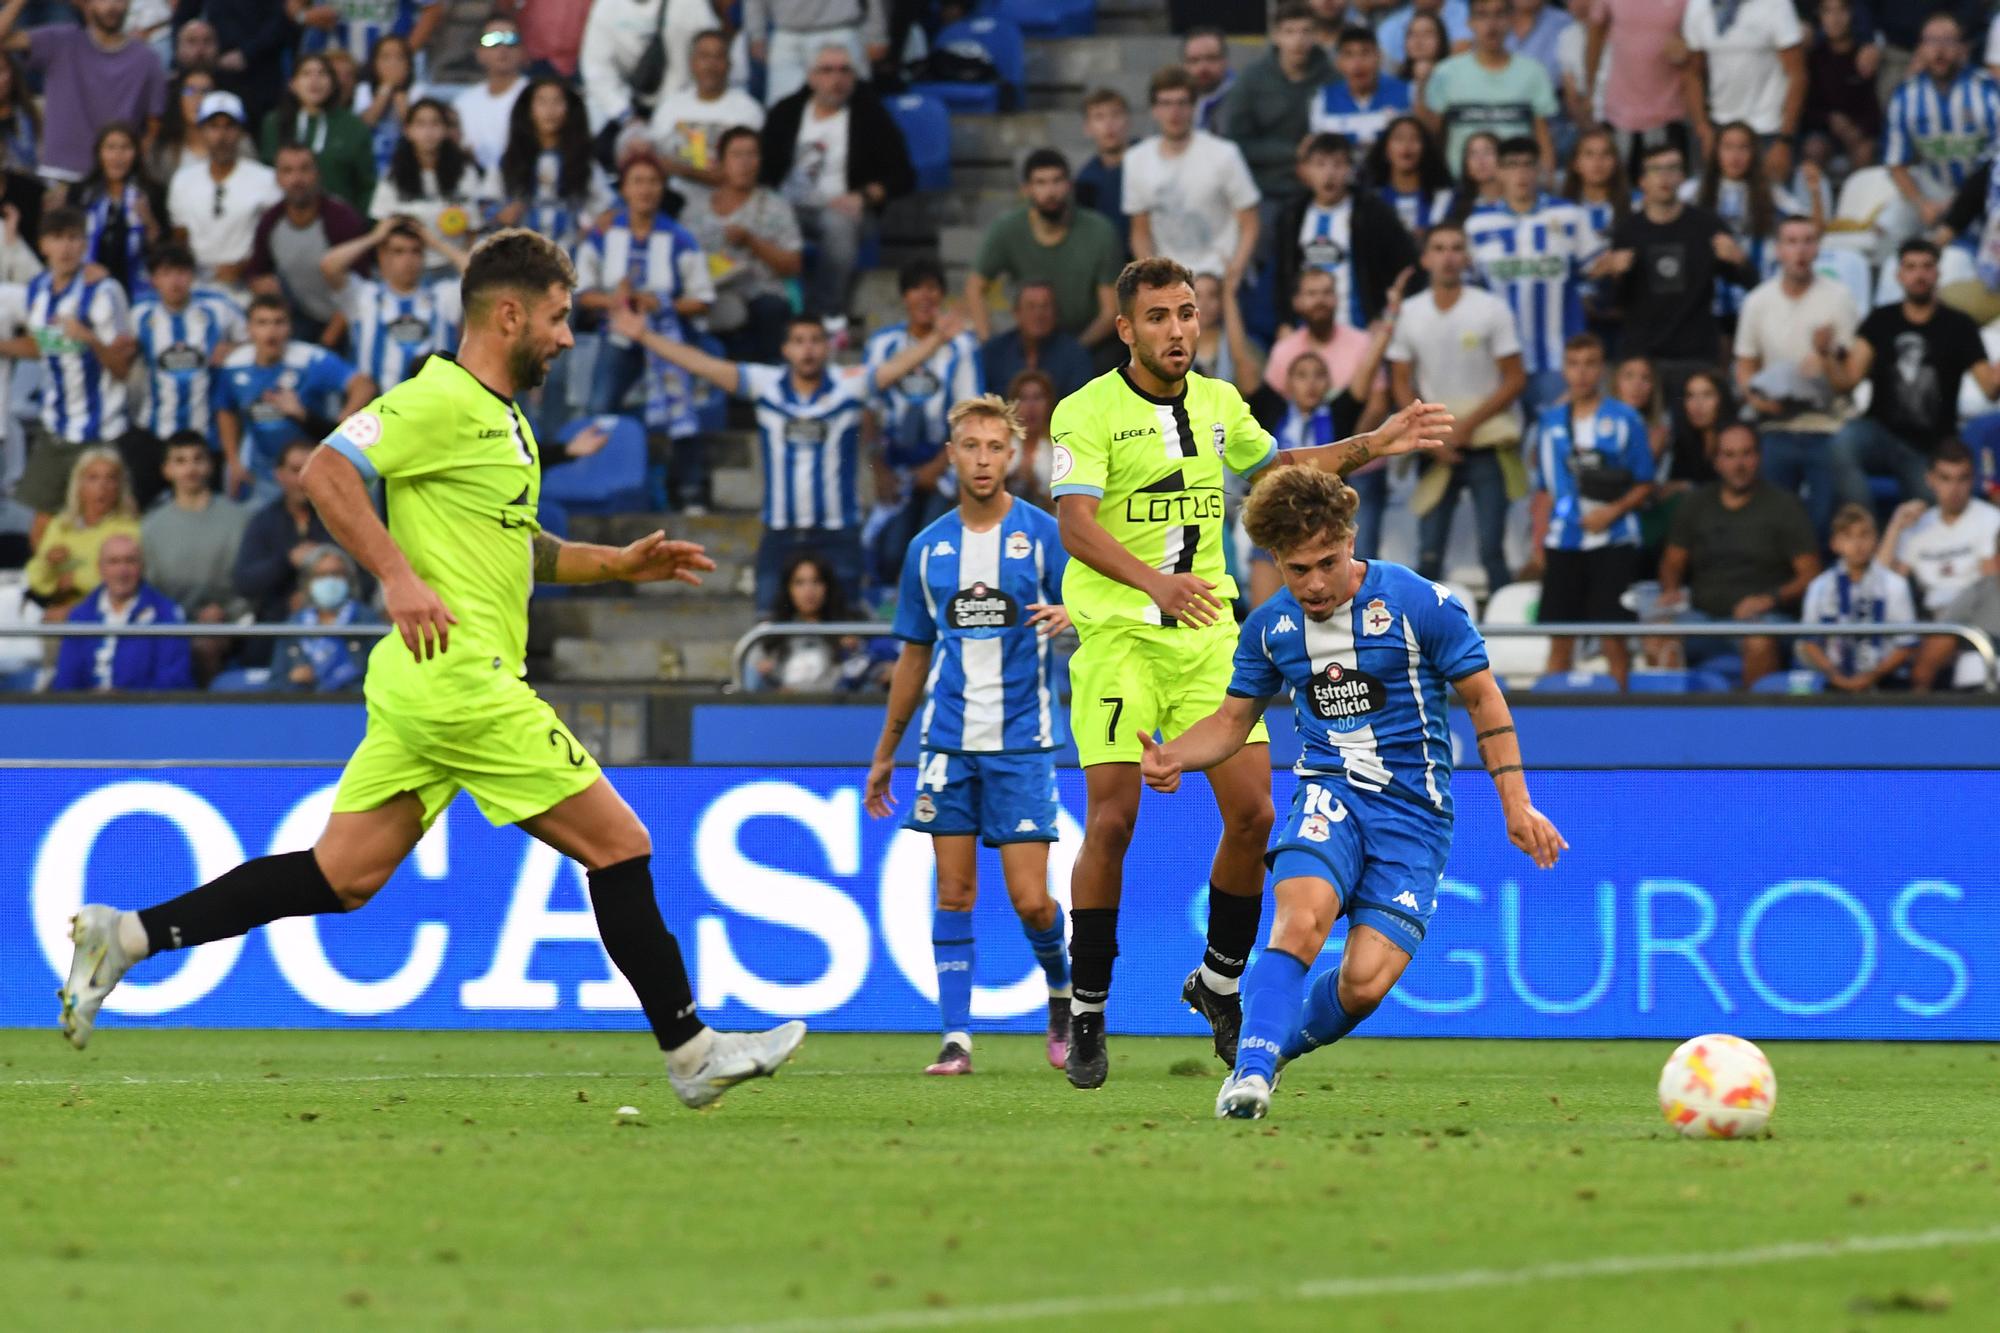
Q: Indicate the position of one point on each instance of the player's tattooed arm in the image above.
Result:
(548, 551)
(651, 559)
(1500, 751)
(1417, 428)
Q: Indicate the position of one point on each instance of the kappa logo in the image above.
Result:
(1444, 593)
(1375, 617)
(1285, 625)
(1018, 546)
(1025, 826)
(1406, 899)
(944, 547)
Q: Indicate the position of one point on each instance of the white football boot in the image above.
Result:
(97, 965)
(1245, 1098)
(737, 1057)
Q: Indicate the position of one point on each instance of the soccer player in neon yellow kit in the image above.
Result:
(448, 708)
(1137, 475)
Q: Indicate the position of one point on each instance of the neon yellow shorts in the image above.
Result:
(1147, 678)
(512, 753)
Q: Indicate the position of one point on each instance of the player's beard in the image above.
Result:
(1158, 369)
(527, 365)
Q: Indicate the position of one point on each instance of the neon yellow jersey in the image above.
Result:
(462, 476)
(1156, 466)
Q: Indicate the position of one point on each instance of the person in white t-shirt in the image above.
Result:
(1748, 66)
(1945, 547)
(1458, 345)
(217, 202)
(688, 125)
(486, 110)
(1189, 194)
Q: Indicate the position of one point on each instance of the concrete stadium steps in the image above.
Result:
(1061, 70)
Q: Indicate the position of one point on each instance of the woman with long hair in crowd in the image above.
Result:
(177, 143)
(310, 113)
(1636, 384)
(63, 570)
(547, 176)
(1595, 182)
(1406, 168)
(432, 179)
(123, 207)
(1426, 45)
(1688, 460)
(20, 122)
(809, 594)
(752, 239)
(383, 98)
(1733, 186)
(1478, 174)
(1033, 395)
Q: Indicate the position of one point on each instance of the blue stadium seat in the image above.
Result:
(1728, 667)
(610, 481)
(1000, 42)
(1799, 680)
(1662, 682)
(242, 680)
(926, 126)
(1707, 681)
(1046, 18)
(1576, 682)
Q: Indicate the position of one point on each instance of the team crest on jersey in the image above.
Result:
(982, 606)
(1221, 437)
(363, 430)
(1344, 697)
(919, 383)
(944, 547)
(925, 810)
(1375, 617)
(1314, 828)
(1018, 546)
(805, 430)
(409, 329)
(181, 358)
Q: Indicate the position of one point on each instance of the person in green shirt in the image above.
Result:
(1137, 476)
(1049, 239)
(1492, 89)
(448, 707)
(343, 146)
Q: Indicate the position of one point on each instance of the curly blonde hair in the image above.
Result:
(1294, 504)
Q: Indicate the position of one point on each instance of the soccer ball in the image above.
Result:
(1718, 1087)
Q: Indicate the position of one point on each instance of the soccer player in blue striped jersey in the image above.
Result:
(809, 424)
(1592, 472)
(1366, 648)
(1528, 248)
(396, 319)
(980, 600)
(1940, 122)
(183, 334)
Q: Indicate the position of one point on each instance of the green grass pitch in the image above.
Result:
(373, 1180)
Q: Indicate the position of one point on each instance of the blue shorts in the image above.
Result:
(1384, 856)
(1001, 798)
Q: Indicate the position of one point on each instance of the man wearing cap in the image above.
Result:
(215, 204)
(91, 76)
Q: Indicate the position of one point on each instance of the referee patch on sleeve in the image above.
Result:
(1062, 464)
(363, 429)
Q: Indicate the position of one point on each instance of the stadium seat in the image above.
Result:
(1728, 668)
(242, 680)
(1046, 18)
(926, 126)
(610, 481)
(1799, 680)
(1711, 682)
(1576, 682)
(1515, 658)
(996, 40)
(1646, 681)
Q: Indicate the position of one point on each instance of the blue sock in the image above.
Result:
(951, 945)
(1324, 1021)
(1050, 952)
(1273, 989)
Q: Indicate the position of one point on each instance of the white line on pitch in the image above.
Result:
(133, 1081)
(1340, 1289)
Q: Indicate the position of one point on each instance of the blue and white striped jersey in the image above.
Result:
(363, 23)
(913, 409)
(1533, 259)
(669, 263)
(811, 445)
(563, 220)
(1337, 111)
(1615, 437)
(391, 331)
(1417, 208)
(178, 348)
(1942, 132)
(97, 221)
(1368, 682)
(81, 401)
(1326, 240)
(1302, 431)
(991, 688)
(1879, 596)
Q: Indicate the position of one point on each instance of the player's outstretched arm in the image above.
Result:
(651, 559)
(1500, 750)
(906, 687)
(1202, 746)
(1418, 427)
(1186, 597)
(336, 490)
(627, 322)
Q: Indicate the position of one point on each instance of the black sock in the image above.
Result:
(247, 897)
(628, 921)
(1093, 945)
(1232, 930)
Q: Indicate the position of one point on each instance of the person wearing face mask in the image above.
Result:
(333, 662)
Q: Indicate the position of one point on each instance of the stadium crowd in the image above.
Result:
(1706, 282)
